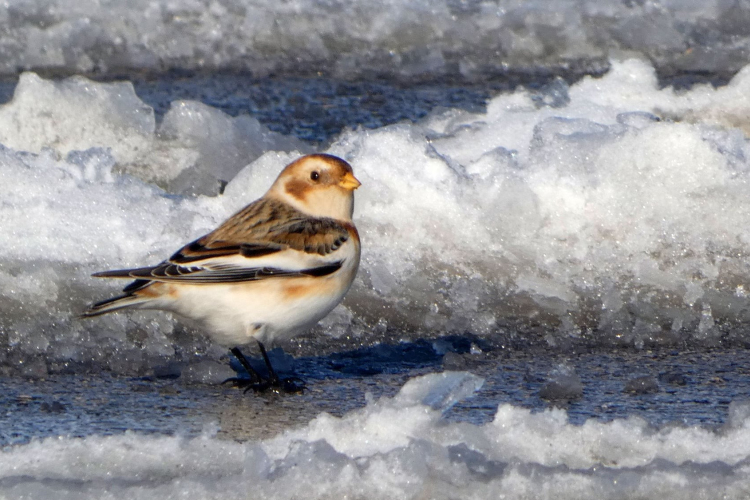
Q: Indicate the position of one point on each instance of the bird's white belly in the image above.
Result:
(269, 310)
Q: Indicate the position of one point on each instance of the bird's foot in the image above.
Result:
(291, 385)
(261, 384)
(240, 382)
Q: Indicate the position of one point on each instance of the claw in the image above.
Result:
(292, 385)
(260, 384)
(238, 382)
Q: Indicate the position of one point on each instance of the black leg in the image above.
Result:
(254, 376)
(273, 379)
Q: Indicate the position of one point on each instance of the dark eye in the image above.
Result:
(315, 175)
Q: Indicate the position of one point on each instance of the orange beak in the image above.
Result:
(349, 182)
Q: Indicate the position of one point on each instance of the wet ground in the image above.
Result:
(673, 387)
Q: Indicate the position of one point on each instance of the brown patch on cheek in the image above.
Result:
(297, 188)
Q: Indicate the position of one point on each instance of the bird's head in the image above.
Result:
(320, 185)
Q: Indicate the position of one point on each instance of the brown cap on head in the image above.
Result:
(319, 184)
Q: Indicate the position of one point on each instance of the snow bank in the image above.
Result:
(611, 212)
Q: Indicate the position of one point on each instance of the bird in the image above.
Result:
(269, 272)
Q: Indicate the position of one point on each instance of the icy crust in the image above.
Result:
(354, 39)
(401, 448)
(611, 212)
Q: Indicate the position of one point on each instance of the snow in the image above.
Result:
(619, 217)
(397, 447)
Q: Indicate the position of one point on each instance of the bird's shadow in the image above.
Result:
(362, 362)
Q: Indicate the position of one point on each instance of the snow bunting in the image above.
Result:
(271, 271)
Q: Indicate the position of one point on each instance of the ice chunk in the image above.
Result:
(439, 391)
(76, 114)
(389, 422)
(224, 146)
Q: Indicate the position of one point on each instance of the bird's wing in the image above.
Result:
(267, 239)
(206, 274)
(267, 224)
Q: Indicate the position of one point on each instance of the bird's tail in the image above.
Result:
(113, 304)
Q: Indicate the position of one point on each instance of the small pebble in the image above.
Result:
(642, 385)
